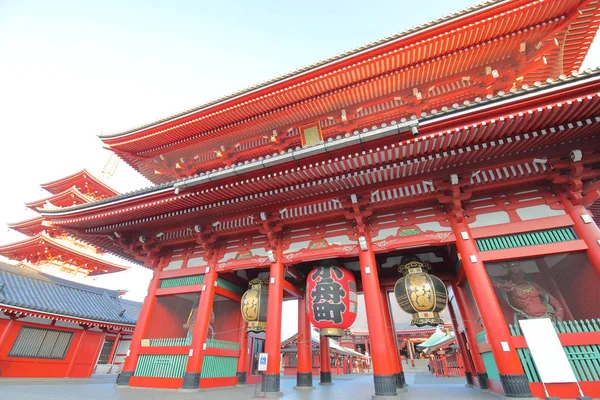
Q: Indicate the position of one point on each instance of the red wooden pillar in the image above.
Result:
(140, 330)
(271, 379)
(304, 373)
(243, 358)
(76, 351)
(325, 361)
(6, 330)
(392, 341)
(464, 353)
(587, 230)
(383, 370)
(113, 349)
(471, 334)
(191, 379)
(514, 381)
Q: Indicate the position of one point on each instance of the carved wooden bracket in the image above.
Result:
(143, 248)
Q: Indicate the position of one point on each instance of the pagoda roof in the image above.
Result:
(66, 198)
(524, 40)
(84, 182)
(42, 249)
(532, 118)
(452, 116)
(35, 293)
(29, 227)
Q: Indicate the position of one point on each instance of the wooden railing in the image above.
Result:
(584, 358)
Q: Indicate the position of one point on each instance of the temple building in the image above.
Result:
(53, 250)
(52, 327)
(460, 157)
(56, 328)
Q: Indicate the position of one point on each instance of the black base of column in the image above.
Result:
(515, 385)
(385, 385)
(271, 383)
(124, 377)
(482, 379)
(400, 379)
(469, 378)
(304, 379)
(241, 378)
(191, 380)
(325, 378)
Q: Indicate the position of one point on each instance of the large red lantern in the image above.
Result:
(331, 300)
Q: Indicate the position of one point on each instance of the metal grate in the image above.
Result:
(526, 239)
(182, 281)
(41, 343)
(161, 365)
(218, 367)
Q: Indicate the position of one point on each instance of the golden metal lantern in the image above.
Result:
(254, 305)
(421, 294)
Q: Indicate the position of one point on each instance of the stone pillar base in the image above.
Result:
(124, 377)
(191, 380)
(469, 378)
(304, 380)
(515, 386)
(482, 378)
(385, 385)
(271, 384)
(400, 380)
(241, 378)
(325, 379)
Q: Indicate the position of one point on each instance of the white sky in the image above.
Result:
(71, 69)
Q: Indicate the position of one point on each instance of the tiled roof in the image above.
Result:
(44, 293)
(444, 111)
(298, 71)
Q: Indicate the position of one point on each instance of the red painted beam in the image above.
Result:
(291, 289)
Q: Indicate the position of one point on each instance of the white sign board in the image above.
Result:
(547, 352)
(262, 361)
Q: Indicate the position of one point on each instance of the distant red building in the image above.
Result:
(54, 327)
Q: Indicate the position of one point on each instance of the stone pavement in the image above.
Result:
(350, 387)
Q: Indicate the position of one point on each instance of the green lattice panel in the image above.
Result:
(222, 344)
(218, 367)
(229, 286)
(182, 281)
(526, 239)
(180, 341)
(161, 365)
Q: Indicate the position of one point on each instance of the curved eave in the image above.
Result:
(67, 198)
(28, 227)
(18, 250)
(161, 198)
(79, 179)
(176, 128)
(14, 310)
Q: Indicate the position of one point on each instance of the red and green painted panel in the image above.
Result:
(161, 365)
(197, 280)
(526, 239)
(218, 367)
(488, 360)
(584, 359)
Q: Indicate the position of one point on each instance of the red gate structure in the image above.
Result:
(469, 143)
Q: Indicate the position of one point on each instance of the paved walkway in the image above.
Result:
(351, 387)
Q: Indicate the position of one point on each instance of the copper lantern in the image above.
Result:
(254, 305)
(421, 294)
(331, 299)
